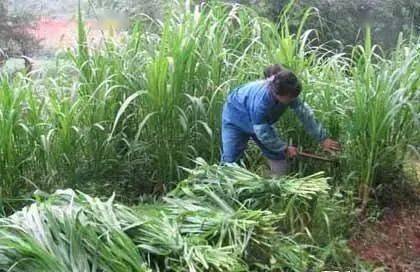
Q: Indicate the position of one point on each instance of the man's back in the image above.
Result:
(242, 101)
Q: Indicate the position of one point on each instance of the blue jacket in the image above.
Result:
(253, 109)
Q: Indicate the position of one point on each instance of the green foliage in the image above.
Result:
(132, 9)
(131, 115)
(344, 21)
(15, 32)
(203, 225)
(124, 117)
(383, 131)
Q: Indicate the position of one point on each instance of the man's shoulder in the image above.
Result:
(253, 92)
(263, 97)
(257, 85)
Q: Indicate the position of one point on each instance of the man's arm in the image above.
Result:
(306, 116)
(265, 132)
(269, 138)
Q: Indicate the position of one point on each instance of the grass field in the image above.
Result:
(130, 116)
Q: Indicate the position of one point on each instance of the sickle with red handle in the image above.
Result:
(313, 156)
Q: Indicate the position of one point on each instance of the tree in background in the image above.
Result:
(15, 32)
(340, 20)
(3, 8)
(3, 13)
(132, 9)
(344, 20)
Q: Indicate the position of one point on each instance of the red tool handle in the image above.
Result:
(313, 156)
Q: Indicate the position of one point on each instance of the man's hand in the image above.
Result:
(330, 145)
(291, 151)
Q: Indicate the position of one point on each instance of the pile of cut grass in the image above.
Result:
(222, 218)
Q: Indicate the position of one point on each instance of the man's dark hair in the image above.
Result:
(271, 70)
(285, 83)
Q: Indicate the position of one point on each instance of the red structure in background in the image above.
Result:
(59, 33)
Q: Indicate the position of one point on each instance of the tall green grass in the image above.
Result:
(125, 116)
(131, 115)
(385, 116)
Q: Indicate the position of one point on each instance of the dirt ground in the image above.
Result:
(393, 242)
